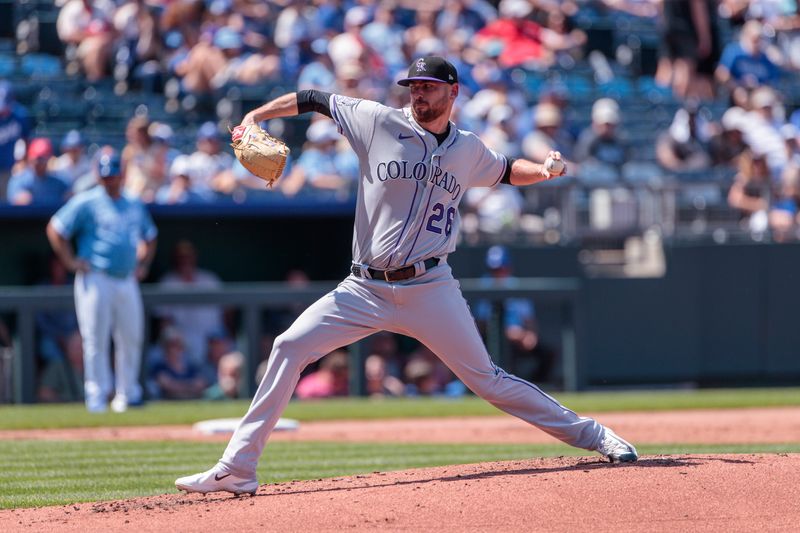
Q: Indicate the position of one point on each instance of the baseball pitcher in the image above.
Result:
(415, 166)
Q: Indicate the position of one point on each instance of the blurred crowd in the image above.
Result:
(200, 48)
(734, 92)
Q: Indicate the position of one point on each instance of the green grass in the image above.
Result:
(41, 473)
(161, 413)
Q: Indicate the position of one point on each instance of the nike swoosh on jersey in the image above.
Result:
(404, 137)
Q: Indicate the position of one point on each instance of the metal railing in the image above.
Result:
(253, 298)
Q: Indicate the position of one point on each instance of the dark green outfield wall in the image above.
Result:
(723, 314)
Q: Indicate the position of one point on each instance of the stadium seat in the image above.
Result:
(641, 173)
(595, 174)
(41, 66)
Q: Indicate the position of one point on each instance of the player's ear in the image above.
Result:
(454, 91)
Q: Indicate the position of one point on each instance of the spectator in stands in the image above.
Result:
(385, 37)
(209, 166)
(464, 16)
(319, 73)
(786, 21)
(35, 184)
(15, 126)
(420, 378)
(161, 156)
(241, 66)
(382, 366)
(137, 158)
(380, 382)
(751, 192)
(228, 384)
(86, 27)
(500, 133)
(513, 38)
(422, 34)
(498, 210)
(293, 25)
(140, 43)
(530, 358)
(199, 67)
(689, 47)
(495, 89)
(353, 80)
(562, 40)
(330, 379)
(548, 135)
(322, 166)
(727, 145)
(602, 142)
(177, 377)
(783, 213)
(218, 343)
(745, 63)
(763, 132)
(55, 327)
(194, 322)
(681, 148)
(61, 380)
(179, 187)
(74, 165)
(349, 47)
(426, 375)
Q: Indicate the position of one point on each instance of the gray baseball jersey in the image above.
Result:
(410, 187)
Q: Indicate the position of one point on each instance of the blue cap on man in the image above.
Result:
(73, 139)
(109, 165)
(498, 257)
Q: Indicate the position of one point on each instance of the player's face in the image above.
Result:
(430, 99)
(113, 185)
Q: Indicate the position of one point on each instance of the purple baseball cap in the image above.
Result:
(430, 68)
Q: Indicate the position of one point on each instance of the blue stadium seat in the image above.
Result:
(642, 173)
(41, 66)
(595, 174)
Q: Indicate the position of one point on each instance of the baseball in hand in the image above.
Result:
(555, 167)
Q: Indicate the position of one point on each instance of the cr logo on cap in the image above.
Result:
(421, 65)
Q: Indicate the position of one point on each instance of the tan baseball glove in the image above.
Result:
(259, 152)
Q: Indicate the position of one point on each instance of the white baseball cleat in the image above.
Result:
(119, 404)
(617, 449)
(217, 480)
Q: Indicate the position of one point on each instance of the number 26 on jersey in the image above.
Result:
(437, 215)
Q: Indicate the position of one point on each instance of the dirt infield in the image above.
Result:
(755, 492)
(677, 493)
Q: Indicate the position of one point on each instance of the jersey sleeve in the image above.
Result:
(148, 229)
(68, 219)
(488, 167)
(356, 119)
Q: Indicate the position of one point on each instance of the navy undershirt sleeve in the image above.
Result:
(507, 174)
(313, 100)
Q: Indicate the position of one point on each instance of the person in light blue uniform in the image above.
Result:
(116, 242)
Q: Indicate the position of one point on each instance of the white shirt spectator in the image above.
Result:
(499, 208)
(195, 322)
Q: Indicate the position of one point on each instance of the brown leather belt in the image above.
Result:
(393, 275)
